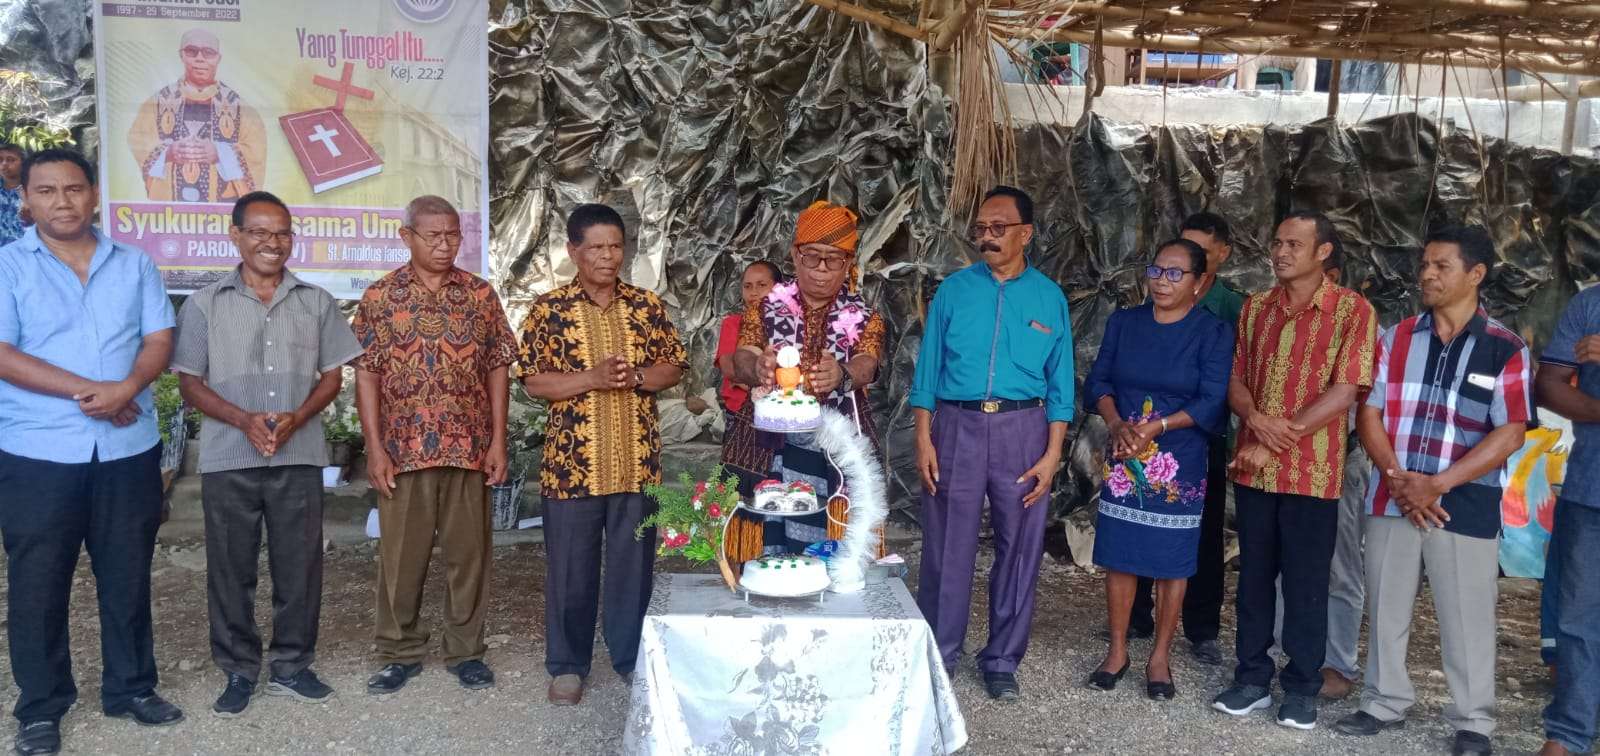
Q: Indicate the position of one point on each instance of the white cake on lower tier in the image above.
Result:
(785, 575)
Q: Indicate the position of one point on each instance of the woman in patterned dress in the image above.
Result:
(1161, 384)
(840, 340)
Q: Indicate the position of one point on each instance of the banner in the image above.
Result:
(346, 110)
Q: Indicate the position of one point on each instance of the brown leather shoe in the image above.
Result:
(1552, 748)
(1334, 685)
(566, 690)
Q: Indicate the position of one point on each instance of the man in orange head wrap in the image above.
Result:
(840, 340)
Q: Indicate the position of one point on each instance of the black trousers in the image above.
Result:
(1291, 536)
(48, 512)
(1202, 603)
(577, 533)
(236, 502)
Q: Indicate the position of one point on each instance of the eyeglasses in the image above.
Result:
(261, 235)
(979, 230)
(829, 263)
(1174, 275)
(437, 238)
(193, 51)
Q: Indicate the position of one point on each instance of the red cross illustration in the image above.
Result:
(343, 86)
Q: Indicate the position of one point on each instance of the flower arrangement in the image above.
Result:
(847, 324)
(691, 517)
(1152, 471)
(787, 294)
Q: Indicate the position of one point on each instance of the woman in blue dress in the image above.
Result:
(1161, 383)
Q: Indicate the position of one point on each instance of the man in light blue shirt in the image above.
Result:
(992, 397)
(85, 327)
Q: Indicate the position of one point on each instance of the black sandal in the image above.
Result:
(1103, 680)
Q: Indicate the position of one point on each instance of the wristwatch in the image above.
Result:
(638, 377)
(846, 383)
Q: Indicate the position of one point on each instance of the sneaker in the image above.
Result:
(41, 736)
(1298, 711)
(1207, 652)
(303, 687)
(1471, 744)
(1240, 700)
(235, 697)
(1362, 724)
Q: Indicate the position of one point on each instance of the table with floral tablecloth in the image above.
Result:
(855, 673)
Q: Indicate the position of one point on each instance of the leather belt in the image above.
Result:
(994, 406)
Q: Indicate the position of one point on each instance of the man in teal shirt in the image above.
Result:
(992, 397)
(1202, 603)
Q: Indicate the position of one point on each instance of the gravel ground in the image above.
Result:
(433, 715)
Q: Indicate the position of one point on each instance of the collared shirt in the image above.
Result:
(1440, 400)
(10, 214)
(601, 442)
(1581, 318)
(433, 352)
(261, 357)
(989, 339)
(92, 330)
(1288, 361)
(1223, 301)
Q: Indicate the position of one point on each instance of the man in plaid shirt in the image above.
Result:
(1450, 401)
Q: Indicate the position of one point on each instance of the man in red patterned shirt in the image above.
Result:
(1304, 350)
(433, 388)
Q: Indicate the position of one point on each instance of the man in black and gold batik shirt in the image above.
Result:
(598, 350)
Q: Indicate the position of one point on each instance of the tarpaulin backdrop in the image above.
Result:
(711, 124)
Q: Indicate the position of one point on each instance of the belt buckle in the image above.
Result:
(990, 407)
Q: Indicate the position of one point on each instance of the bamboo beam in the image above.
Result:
(1242, 27)
(1188, 43)
(1515, 8)
(1537, 92)
(880, 20)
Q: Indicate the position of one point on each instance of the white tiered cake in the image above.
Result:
(785, 576)
(788, 408)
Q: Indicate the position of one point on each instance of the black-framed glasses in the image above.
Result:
(1174, 275)
(829, 263)
(978, 231)
(262, 236)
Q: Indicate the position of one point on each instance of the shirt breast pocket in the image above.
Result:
(1473, 404)
(1030, 347)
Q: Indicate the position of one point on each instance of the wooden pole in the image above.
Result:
(1536, 92)
(1334, 74)
(851, 10)
(1569, 124)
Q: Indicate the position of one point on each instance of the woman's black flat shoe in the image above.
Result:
(1103, 680)
(1160, 691)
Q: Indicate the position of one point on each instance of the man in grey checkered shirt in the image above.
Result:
(260, 352)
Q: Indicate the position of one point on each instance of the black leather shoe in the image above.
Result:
(1103, 680)
(1207, 652)
(149, 711)
(38, 736)
(392, 678)
(1001, 686)
(1133, 634)
(1471, 744)
(473, 674)
(1361, 725)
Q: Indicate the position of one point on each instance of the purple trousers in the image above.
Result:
(980, 457)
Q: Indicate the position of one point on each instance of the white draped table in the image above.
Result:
(858, 673)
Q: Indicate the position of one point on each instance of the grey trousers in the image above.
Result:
(1461, 573)
(1347, 593)
(236, 502)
